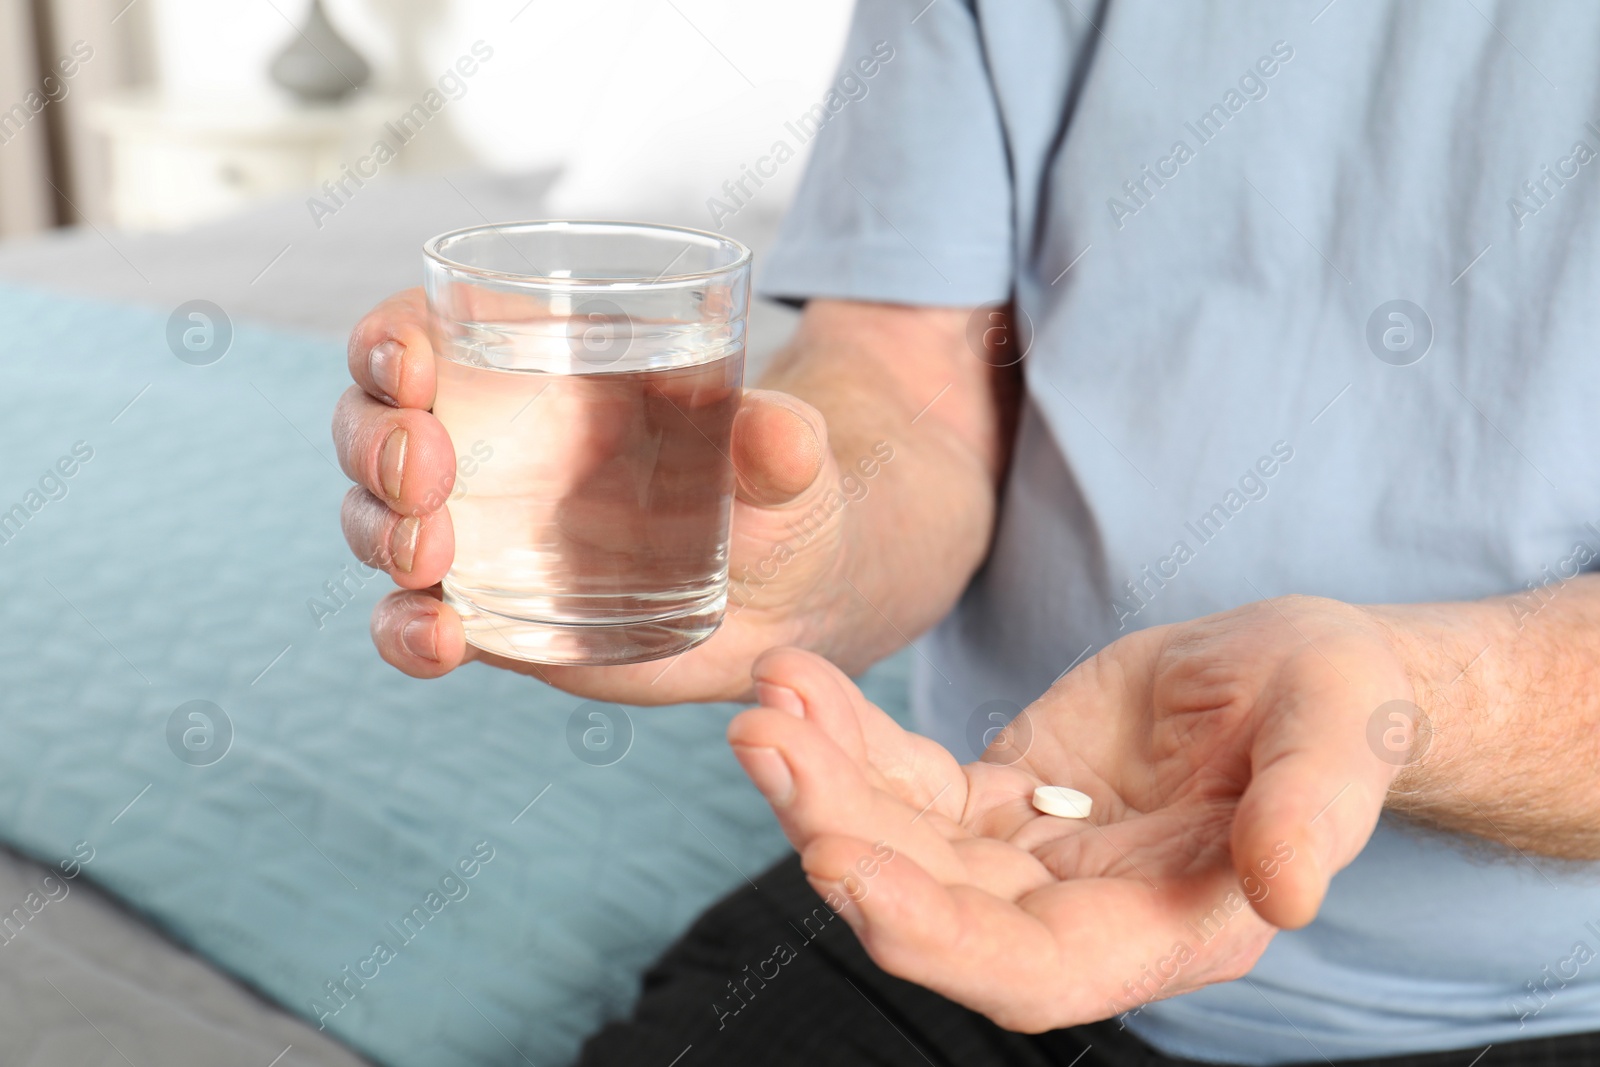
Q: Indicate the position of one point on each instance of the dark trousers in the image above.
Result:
(770, 976)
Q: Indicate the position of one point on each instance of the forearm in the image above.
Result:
(920, 428)
(1510, 692)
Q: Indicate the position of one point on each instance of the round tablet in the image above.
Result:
(1061, 801)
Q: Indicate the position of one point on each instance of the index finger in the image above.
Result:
(390, 355)
(920, 770)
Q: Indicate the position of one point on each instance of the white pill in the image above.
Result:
(1061, 801)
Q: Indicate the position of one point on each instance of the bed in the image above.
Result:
(183, 890)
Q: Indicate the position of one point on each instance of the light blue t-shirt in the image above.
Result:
(1314, 291)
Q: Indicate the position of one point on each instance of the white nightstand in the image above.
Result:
(177, 162)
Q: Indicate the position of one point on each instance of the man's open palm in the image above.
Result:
(1231, 774)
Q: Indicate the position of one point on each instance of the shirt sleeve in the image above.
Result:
(907, 196)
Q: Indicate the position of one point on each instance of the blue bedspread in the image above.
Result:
(186, 558)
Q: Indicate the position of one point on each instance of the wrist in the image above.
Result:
(1451, 654)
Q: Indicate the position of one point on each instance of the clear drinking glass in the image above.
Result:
(588, 374)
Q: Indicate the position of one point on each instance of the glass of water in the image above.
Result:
(588, 375)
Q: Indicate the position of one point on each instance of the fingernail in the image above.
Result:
(383, 363)
(417, 638)
(403, 543)
(781, 697)
(802, 423)
(769, 771)
(391, 465)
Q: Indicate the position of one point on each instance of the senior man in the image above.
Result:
(1237, 367)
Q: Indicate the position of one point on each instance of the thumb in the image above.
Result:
(779, 446)
(1316, 791)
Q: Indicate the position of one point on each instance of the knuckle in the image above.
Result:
(347, 405)
(347, 417)
(363, 518)
(372, 328)
(350, 508)
(357, 345)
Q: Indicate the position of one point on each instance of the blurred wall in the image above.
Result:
(26, 200)
(54, 56)
(647, 105)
